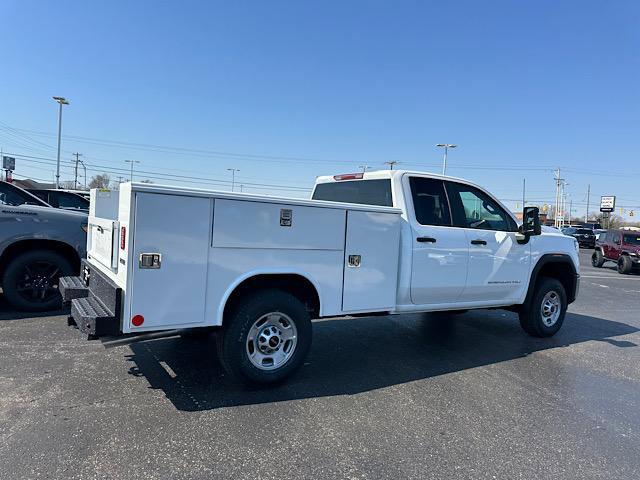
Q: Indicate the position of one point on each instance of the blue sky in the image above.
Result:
(287, 90)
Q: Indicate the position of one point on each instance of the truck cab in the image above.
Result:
(461, 248)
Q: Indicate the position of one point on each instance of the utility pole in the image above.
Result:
(391, 164)
(233, 177)
(132, 162)
(62, 101)
(524, 188)
(364, 168)
(241, 185)
(586, 215)
(446, 147)
(559, 182)
(570, 209)
(75, 179)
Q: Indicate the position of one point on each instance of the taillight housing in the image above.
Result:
(123, 237)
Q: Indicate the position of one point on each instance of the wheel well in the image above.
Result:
(15, 249)
(297, 285)
(561, 271)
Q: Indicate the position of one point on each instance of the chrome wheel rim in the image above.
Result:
(551, 307)
(271, 341)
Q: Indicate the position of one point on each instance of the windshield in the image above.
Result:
(368, 192)
(631, 239)
(585, 231)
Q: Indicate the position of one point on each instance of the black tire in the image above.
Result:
(531, 315)
(30, 281)
(625, 265)
(597, 259)
(456, 312)
(234, 344)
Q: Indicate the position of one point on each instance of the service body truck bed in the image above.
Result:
(205, 244)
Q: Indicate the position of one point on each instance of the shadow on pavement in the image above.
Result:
(8, 313)
(350, 356)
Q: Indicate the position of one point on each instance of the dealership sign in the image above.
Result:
(607, 203)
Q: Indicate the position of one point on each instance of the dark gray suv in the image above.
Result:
(38, 245)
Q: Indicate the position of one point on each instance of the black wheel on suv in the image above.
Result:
(624, 264)
(597, 259)
(544, 315)
(30, 281)
(266, 338)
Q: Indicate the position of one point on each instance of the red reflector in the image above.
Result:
(123, 237)
(349, 176)
(137, 320)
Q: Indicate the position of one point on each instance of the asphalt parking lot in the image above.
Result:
(417, 396)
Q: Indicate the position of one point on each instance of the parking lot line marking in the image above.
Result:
(614, 277)
(168, 369)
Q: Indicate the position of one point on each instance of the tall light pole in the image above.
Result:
(132, 162)
(446, 147)
(233, 177)
(364, 168)
(61, 101)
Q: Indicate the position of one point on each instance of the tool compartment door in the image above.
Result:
(170, 294)
(371, 261)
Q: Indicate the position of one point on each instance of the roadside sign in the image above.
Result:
(607, 203)
(8, 163)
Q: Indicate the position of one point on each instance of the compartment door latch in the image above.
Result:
(150, 260)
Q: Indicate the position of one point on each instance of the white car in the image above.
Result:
(260, 268)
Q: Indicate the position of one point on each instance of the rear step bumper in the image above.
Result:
(96, 304)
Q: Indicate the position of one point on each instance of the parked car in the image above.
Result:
(38, 245)
(177, 258)
(621, 246)
(62, 199)
(592, 225)
(584, 236)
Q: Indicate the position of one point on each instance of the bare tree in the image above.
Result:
(100, 181)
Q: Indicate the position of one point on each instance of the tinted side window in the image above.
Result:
(472, 208)
(70, 200)
(430, 201)
(368, 192)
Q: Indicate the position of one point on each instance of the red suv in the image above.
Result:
(621, 246)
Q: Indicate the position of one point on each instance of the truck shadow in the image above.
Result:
(355, 355)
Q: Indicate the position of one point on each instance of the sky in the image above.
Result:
(285, 91)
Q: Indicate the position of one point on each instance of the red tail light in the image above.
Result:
(348, 176)
(123, 237)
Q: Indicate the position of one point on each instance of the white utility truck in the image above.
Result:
(260, 268)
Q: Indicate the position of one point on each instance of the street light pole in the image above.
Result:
(391, 164)
(446, 147)
(132, 162)
(61, 101)
(233, 177)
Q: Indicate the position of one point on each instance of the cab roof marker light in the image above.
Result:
(348, 176)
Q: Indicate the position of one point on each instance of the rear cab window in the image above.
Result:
(366, 192)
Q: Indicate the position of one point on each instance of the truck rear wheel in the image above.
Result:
(545, 314)
(597, 259)
(624, 265)
(266, 338)
(30, 281)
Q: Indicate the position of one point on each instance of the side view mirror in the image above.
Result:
(531, 221)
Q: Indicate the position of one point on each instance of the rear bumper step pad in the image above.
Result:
(72, 287)
(93, 318)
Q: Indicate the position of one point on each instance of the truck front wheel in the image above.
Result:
(544, 315)
(266, 337)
